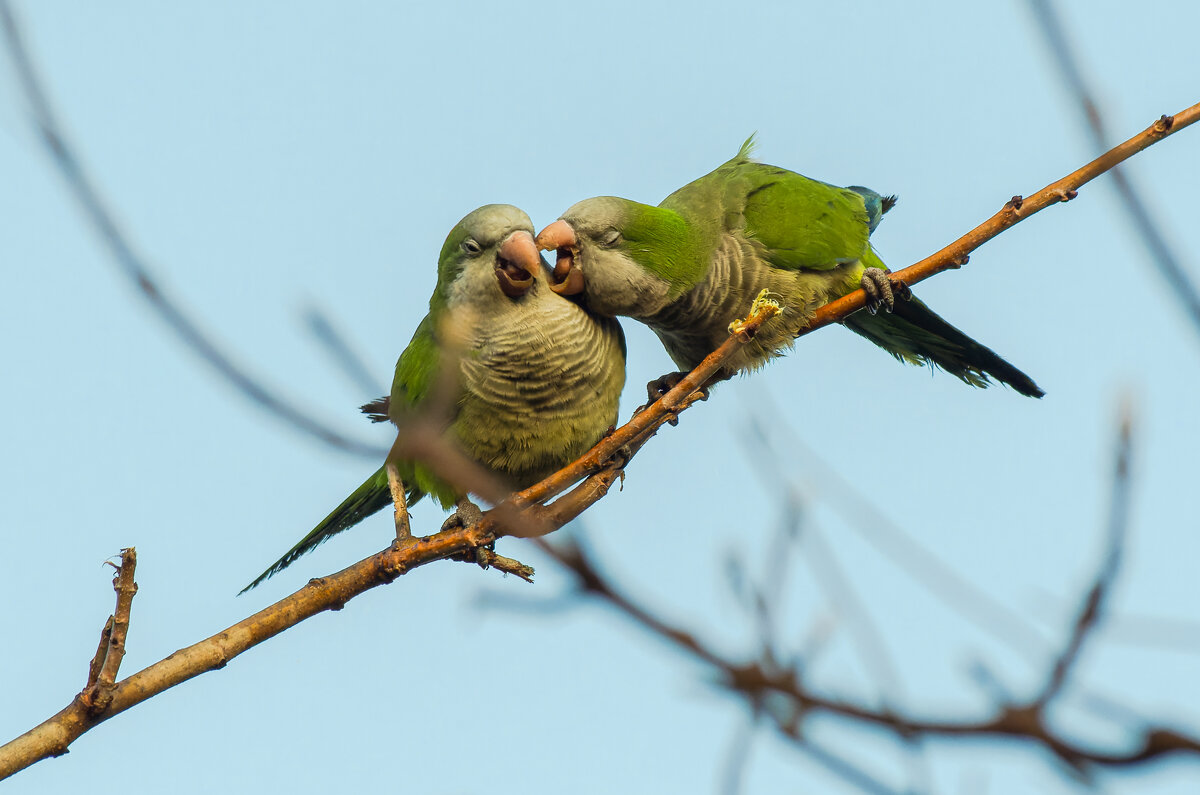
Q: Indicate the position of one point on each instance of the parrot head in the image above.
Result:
(488, 256)
(623, 257)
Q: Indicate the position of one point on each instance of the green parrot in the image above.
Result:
(535, 378)
(692, 265)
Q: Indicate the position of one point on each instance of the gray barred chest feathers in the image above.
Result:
(540, 391)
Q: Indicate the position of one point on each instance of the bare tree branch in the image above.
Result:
(520, 516)
(102, 673)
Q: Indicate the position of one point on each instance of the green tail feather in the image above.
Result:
(372, 496)
(915, 333)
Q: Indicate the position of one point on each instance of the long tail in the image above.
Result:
(368, 498)
(916, 334)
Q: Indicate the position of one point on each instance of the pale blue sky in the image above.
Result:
(266, 161)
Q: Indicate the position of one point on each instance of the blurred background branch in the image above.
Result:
(784, 695)
(1179, 284)
(134, 267)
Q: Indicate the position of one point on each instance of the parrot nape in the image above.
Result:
(692, 265)
(536, 379)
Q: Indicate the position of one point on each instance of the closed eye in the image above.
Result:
(471, 247)
(611, 238)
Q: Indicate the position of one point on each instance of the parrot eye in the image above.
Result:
(471, 247)
(611, 238)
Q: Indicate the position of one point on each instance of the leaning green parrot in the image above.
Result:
(535, 378)
(692, 265)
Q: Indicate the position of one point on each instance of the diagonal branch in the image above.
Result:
(520, 516)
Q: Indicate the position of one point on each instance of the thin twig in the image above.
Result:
(126, 588)
(97, 694)
(488, 559)
(101, 652)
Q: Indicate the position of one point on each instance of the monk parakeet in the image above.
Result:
(535, 379)
(692, 265)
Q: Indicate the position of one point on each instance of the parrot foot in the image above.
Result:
(657, 388)
(620, 458)
(662, 385)
(882, 290)
(466, 513)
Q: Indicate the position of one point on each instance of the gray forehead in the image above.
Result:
(494, 221)
(594, 214)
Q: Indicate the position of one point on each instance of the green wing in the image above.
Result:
(416, 371)
(803, 223)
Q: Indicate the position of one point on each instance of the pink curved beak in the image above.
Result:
(516, 262)
(566, 278)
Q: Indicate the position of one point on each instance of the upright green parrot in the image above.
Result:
(535, 379)
(692, 265)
